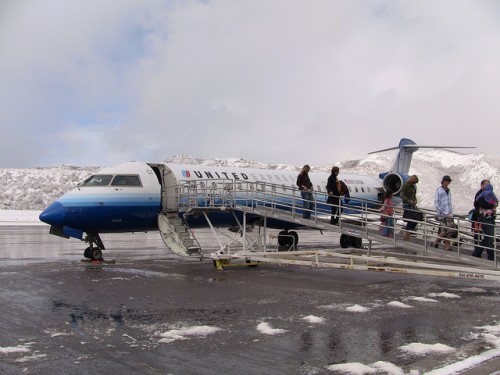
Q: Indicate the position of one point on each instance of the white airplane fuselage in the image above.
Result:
(134, 196)
(128, 197)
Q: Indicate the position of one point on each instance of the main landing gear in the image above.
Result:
(350, 241)
(288, 239)
(94, 251)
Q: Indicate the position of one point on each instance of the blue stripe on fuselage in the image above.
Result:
(107, 213)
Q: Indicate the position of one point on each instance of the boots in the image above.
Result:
(407, 236)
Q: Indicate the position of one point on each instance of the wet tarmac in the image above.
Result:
(152, 312)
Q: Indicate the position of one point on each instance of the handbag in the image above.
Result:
(413, 215)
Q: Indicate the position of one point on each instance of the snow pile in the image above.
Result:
(313, 319)
(399, 304)
(14, 349)
(356, 368)
(266, 329)
(186, 332)
(424, 349)
(357, 308)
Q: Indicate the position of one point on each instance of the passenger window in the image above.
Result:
(202, 184)
(318, 187)
(126, 180)
(362, 189)
(357, 191)
(98, 180)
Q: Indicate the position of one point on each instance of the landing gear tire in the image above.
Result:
(356, 242)
(96, 254)
(345, 241)
(288, 239)
(295, 238)
(350, 241)
(93, 253)
(86, 253)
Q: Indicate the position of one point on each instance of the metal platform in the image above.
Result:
(359, 220)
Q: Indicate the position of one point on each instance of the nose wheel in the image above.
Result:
(94, 251)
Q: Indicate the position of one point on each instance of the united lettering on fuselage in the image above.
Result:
(235, 176)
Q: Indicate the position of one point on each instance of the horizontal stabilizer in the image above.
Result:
(406, 149)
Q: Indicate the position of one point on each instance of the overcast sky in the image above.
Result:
(277, 81)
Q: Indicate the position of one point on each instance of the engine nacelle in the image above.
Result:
(394, 182)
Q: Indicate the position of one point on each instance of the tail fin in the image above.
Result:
(403, 158)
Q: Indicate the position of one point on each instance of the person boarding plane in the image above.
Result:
(141, 197)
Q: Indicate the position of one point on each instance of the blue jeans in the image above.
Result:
(308, 203)
(388, 227)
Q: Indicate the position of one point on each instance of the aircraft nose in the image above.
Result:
(53, 215)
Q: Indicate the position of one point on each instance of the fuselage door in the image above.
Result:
(169, 193)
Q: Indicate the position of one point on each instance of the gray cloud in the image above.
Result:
(93, 83)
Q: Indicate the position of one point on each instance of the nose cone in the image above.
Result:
(53, 215)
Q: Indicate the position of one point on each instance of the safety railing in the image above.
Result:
(363, 213)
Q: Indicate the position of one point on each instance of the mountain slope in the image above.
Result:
(35, 188)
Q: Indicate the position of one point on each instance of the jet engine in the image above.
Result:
(394, 182)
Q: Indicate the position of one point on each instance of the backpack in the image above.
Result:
(341, 187)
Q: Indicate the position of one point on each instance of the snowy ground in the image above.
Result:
(20, 217)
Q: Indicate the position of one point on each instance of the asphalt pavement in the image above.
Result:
(151, 312)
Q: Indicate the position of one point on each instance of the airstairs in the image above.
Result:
(177, 235)
(359, 223)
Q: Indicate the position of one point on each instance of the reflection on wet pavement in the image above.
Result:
(161, 314)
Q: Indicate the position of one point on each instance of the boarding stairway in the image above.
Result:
(358, 223)
(177, 235)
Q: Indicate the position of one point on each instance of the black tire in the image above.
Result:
(86, 253)
(345, 241)
(356, 242)
(295, 238)
(96, 254)
(283, 238)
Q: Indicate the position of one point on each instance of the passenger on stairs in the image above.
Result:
(306, 191)
(333, 188)
(444, 208)
(475, 223)
(409, 196)
(386, 217)
(487, 203)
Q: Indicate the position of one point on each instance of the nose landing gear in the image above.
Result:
(94, 251)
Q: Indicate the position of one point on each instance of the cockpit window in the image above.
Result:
(126, 180)
(98, 180)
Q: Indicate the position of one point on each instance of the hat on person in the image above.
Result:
(446, 178)
(414, 178)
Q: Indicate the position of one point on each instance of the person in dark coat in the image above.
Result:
(487, 213)
(476, 225)
(333, 190)
(409, 196)
(306, 191)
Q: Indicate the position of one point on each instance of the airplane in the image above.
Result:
(134, 196)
